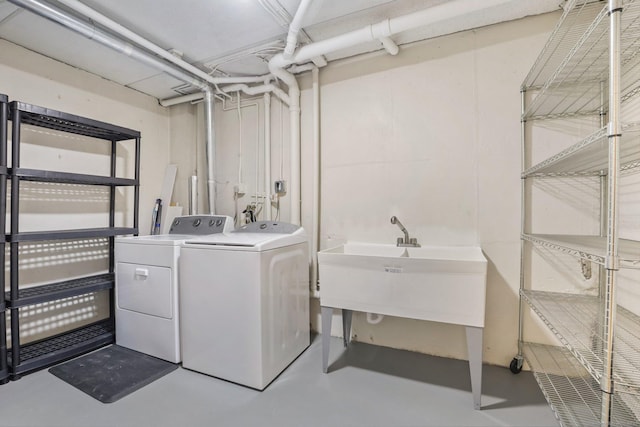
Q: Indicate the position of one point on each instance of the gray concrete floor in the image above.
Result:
(366, 386)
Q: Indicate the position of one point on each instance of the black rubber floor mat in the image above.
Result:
(113, 372)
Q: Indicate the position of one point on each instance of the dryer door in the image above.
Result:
(144, 289)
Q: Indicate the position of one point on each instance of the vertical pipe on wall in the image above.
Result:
(315, 233)
(209, 103)
(267, 155)
(294, 112)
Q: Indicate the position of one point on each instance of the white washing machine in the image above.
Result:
(147, 292)
(245, 302)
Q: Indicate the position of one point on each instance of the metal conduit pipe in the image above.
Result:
(210, 135)
(96, 16)
(91, 32)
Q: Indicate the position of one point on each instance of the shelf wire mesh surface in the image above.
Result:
(577, 322)
(591, 248)
(572, 393)
(589, 157)
(573, 68)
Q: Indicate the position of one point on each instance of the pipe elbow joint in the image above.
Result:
(381, 29)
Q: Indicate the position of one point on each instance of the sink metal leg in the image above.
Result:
(474, 350)
(327, 314)
(346, 326)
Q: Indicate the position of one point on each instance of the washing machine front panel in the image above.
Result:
(220, 313)
(145, 289)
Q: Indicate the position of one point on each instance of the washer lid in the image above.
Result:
(248, 241)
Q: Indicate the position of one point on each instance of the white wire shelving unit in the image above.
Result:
(590, 66)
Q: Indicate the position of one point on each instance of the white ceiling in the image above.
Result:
(226, 37)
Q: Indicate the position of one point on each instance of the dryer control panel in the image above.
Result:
(268, 227)
(200, 224)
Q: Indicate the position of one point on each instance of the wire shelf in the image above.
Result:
(573, 68)
(572, 393)
(589, 157)
(591, 248)
(577, 322)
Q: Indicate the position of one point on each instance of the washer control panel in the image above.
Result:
(268, 227)
(198, 224)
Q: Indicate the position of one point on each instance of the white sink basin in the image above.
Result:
(437, 283)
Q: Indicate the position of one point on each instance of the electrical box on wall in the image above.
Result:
(280, 187)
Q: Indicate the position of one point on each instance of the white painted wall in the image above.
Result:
(28, 77)
(431, 136)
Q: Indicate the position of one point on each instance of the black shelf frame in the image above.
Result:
(68, 178)
(34, 236)
(4, 117)
(23, 359)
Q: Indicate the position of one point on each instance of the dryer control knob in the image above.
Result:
(263, 226)
(197, 222)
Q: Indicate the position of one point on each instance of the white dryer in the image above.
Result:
(245, 302)
(147, 291)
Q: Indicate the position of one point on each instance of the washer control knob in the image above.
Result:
(218, 222)
(263, 226)
(211, 222)
(196, 222)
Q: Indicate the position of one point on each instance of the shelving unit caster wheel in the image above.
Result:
(516, 365)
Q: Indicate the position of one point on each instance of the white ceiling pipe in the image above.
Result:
(390, 46)
(294, 29)
(297, 69)
(182, 99)
(258, 90)
(386, 28)
(96, 16)
(56, 15)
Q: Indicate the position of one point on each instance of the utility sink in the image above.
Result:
(437, 283)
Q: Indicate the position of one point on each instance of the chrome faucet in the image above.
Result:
(407, 241)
